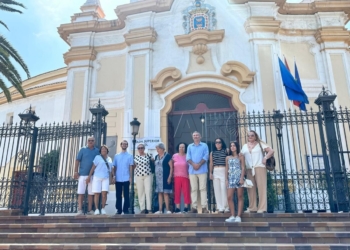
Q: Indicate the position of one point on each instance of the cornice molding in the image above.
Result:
(262, 24)
(146, 34)
(35, 91)
(200, 37)
(45, 77)
(125, 10)
(89, 26)
(160, 81)
(240, 71)
(332, 35)
(315, 7)
(80, 53)
(122, 12)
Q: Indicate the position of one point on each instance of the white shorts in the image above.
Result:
(82, 185)
(100, 184)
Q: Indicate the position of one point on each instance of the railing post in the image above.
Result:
(28, 119)
(99, 124)
(325, 101)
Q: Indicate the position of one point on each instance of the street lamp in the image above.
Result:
(278, 119)
(135, 126)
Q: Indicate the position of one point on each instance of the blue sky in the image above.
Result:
(34, 33)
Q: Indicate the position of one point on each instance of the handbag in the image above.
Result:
(110, 175)
(271, 162)
(248, 183)
(151, 164)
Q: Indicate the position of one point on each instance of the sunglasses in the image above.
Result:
(141, 148)
(218, 142)
(91, 140)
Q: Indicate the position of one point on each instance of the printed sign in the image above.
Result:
(149, 142)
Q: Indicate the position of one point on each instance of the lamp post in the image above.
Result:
(135, 125)
(278, 119)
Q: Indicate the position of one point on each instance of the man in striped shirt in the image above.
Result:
(197, 156)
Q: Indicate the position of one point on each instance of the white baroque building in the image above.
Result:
(168, 57)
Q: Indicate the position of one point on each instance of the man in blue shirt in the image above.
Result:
(122, 167)
(84, 161)
(197, 156)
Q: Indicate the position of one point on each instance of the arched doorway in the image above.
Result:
(207, 112)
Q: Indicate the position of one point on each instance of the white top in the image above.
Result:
(254, 159)
(101, 170)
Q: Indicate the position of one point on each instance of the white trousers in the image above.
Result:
(198, 182)
(220, 190)
(144, 191)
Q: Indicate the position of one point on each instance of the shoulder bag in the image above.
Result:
(151, 164)
(110, 175)
(271, 162)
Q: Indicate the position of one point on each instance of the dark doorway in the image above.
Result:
(205, 112)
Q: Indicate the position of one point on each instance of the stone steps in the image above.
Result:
(177, 226)
(316, 217)
(169, 246)
(322, 231)
(180, 237)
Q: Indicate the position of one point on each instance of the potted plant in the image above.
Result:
(271, 194)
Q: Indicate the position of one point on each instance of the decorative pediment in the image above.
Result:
(238, 70)
(164, 76)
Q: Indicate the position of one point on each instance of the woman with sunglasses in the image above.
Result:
(101, 169)
(217, 174)
(144, 179)
(255, 160)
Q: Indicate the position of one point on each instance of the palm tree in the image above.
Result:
(8, 54)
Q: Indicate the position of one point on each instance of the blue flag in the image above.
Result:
(293, 89)
(297, 79)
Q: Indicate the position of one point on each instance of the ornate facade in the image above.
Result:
(156, 52)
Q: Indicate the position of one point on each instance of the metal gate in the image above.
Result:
(37, 163)
(311, 150)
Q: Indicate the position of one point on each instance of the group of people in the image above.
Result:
(188, 169)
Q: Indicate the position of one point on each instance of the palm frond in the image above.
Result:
(5, 45)
(3, 24)
(5, 90)
(5, 6)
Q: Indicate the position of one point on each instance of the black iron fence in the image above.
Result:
(37, 163)
(311, 150)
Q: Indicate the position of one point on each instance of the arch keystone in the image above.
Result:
(239, 70)
(164, 76)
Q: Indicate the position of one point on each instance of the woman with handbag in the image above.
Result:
(256, 152)
(144, 179)
(101, 169)
(234, 176)
(163, 175)
(217, 174)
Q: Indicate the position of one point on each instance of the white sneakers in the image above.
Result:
(168, 212)
(158, 212)
(97, 212)
(80, 212)
(234, 219)
(231, 219)
(103, 211)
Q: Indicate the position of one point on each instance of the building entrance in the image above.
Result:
(205, 112)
